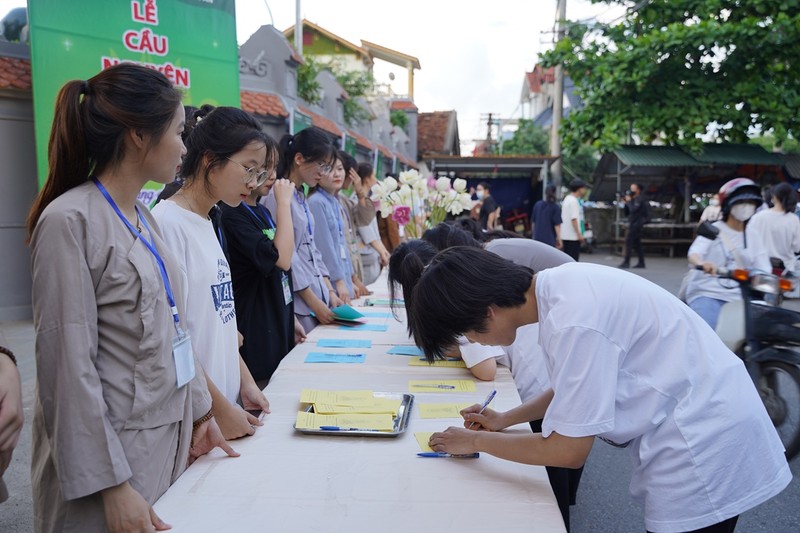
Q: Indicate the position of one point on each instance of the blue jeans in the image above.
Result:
(708, 309)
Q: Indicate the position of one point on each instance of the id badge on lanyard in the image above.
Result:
(184, 359)
(287, 291)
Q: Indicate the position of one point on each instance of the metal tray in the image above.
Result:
(400, 421)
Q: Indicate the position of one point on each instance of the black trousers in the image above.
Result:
(726, 526)
(633, 241)
(572, 249)
(564, 481)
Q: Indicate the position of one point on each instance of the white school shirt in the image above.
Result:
(630, 362)
(524, 358)
(210, 313)
(723, 252)
(570, 209)
(780, 233)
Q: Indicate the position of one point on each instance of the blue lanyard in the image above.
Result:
(150, 246)
(262, 210)
(308, 215)
(337, 210)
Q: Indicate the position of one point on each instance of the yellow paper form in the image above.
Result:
(379, 405)
(337, 397)
(438, 364)
(442, 385)
(422, 439)
(382, 422)
(442, 410)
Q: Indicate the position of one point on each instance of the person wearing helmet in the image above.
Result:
(735, 247)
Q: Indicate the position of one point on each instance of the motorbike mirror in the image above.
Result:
(708, 230)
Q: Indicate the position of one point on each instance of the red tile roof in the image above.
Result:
(403, 105)
(321, 122)
(406, 161)
(432, 132)
(15, 74)
(361, 140)
(385, 151)
(264, 104)
(538, 77)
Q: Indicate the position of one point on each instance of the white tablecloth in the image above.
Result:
(286, 481)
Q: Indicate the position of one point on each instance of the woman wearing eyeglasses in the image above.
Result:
(305, 158)
(225, 159)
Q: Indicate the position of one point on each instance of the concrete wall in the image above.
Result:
(19, 187)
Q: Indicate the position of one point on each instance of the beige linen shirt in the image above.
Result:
(108, 408)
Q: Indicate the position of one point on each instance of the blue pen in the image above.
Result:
(486, 403)
(337, 428)
(451, 455)
(439, 386)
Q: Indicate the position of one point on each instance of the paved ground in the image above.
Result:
(603, 501)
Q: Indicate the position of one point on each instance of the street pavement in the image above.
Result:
(603, 503)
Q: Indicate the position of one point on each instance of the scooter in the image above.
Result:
(767, 338)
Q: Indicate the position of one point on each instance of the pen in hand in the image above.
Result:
(484, 406)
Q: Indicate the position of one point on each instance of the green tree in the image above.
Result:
(356, 84)
(308, 88)
(675, 70)
(529, 139)
(399, 118)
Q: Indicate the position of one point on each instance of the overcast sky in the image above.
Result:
(473, 53)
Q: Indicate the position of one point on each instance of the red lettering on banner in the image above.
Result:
(179, 76)
(147, 13)
(145, 41)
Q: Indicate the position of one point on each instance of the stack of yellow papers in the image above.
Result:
(354, 421)
(442, 410)
(341, 397)
(378, 406)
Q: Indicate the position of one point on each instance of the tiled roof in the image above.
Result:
(385, 151)
(361, 140)
(406, 161)
(403, 105)
(15, 74)
(539, 77)
(432, 131)
(264, 104)
(321, 122)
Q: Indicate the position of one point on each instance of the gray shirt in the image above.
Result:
(526, 252)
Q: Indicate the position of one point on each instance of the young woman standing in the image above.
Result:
(305, 158)
(226, 153)
(117, 391)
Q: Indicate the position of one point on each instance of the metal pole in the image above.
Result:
(558, 100)
(298, 29)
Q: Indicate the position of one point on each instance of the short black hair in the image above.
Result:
(786, 195)
(444, 235)
(485, 185)
(454, 292)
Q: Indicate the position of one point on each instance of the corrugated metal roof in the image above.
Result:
(737, 154)
(655, 156)
(792, 164)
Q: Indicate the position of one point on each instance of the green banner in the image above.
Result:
(350, 145)
(193, 42)
(300, 121)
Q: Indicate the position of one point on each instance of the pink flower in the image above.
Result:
(401, 214)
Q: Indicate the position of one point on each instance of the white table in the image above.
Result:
(286, 482)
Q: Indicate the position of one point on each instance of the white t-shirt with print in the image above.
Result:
(780, 233)
(211, 316)
(630, 362)
(570, 209)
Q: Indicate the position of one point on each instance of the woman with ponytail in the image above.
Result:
(119, 408)
(304, 159)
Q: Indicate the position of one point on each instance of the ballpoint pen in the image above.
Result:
(338, 428)
(486, 403)
(451, 455)
(438, 386)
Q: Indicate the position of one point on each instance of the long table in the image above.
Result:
(286, 481)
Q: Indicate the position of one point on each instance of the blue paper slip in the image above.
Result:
(376, 314)
(320, 357)
(344, 343)
(367, 327)
(405, 350)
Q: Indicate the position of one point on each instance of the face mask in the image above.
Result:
(713, 202)
(743, 211)
(479, 195)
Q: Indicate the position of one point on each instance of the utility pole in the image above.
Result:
(298, 29)
(558, 100)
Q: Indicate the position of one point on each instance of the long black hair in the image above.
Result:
(312, 143)
(406, 264)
